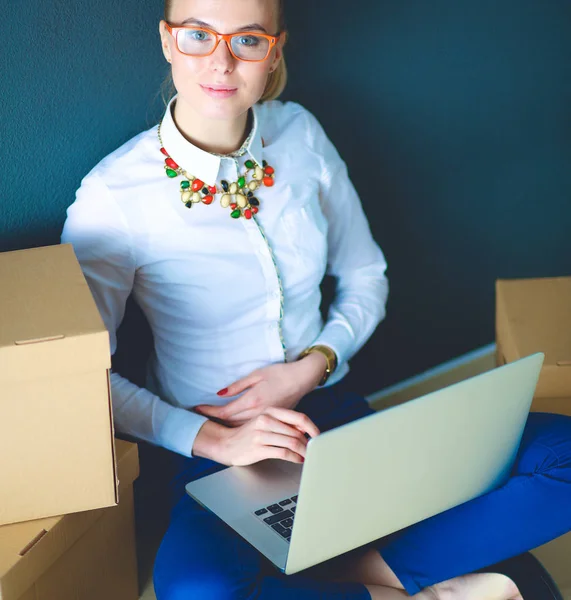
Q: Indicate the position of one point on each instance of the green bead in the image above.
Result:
(249, 164)
(188, 204)
(241, 182)
(236, 214)
(171, 173)
(185, 185)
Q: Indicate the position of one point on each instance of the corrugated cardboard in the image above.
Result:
(81, 556)
(102, 564)
(534, 315)
(556, 558)
(56, 428)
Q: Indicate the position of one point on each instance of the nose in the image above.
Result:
(222, 59)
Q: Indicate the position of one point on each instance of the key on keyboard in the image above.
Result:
(279, 517)
(281, 520)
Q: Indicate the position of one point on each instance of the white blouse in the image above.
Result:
(209, 284)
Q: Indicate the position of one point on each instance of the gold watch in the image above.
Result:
(330, 357)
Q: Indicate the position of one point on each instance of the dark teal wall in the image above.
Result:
(454, 117)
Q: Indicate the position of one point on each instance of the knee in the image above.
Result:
(546, 446)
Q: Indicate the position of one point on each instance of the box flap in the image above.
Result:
(55, 358)
(28, 549)
(534, 315)
(45, 302)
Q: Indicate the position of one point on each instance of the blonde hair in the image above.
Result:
(277, 79)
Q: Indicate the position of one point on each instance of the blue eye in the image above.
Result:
(198, 35)
(248, 40)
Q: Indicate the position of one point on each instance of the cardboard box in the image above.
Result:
(56, 427)
(82, 556)
(534, 315)
(556, 558)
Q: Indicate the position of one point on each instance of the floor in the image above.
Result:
(149, 594)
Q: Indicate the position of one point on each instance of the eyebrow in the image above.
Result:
(251, 27)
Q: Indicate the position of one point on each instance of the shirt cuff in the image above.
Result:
(338, 338)
(180, 429)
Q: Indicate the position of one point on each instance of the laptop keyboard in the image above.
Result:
(279, 516)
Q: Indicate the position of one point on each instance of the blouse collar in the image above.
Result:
(196, 161)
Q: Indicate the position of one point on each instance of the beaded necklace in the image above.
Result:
(237, 195)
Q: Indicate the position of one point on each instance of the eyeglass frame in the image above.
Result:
(227, 37)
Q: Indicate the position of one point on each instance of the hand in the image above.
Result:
(282, 385)
(277, 433)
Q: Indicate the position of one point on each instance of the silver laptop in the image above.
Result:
(374, 476)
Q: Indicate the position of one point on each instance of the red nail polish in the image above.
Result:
(302, 459)
(223, 392)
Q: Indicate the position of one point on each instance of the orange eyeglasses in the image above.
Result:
(246, 46)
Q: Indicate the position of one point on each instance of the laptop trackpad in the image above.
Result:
(291, 470)
(268, 477)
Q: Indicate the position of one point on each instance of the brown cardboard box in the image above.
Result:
(556, 558)
(56, 428)
(534, 315)
(81, 556)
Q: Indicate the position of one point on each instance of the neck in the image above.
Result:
(220, 137)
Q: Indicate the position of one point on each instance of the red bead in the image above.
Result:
(197, 185)
(207, 199)
(269, 171)
(254, 210)
(248, 213)
(233, 206)
(170, 163)
(212, 189)
(164, 152)
(268, 181)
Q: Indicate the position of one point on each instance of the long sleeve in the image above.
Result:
(354, 258)
(98, 231)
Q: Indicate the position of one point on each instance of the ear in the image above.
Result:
(279, 52)
(166, 40)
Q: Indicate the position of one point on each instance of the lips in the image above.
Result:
(219, 92)
(219, 88)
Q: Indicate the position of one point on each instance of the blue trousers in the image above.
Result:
(201, 557)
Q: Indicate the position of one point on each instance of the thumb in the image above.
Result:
(207, 409)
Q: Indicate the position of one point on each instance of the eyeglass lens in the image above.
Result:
(198, 42)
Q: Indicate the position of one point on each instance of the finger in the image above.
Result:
(293, 417)
(244, 416)
(243, 384)
(268, 423)
(268, 438)
(208, 410)
(227, 412)
(281, 454)
(248, 401)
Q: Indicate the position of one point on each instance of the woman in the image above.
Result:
(222, 222)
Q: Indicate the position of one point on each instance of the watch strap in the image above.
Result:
(330, 357)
